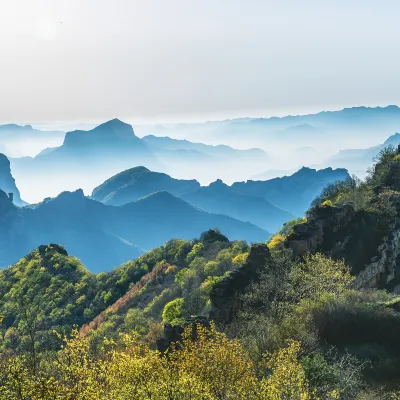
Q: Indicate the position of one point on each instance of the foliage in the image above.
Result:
(173, 312)
(211, 367)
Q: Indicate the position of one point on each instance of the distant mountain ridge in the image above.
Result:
(349, 125)
(21, 140)
(358, 160)
(134, 183)
(223, 199)
(104, 236)
(87, 158)
(267, 204)
(293, 193)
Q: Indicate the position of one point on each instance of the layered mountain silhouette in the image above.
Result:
(219, 151)
(7, 182)
(138, 182)
(358, 160)
(347, 126)
(267, 204)
(23, 140)
(293, 193)
(87, 158)
(104, 236)
(222, 199)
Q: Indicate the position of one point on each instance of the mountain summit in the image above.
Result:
(111, 133)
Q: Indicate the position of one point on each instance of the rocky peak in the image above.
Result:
(7, 182)
(114, 132)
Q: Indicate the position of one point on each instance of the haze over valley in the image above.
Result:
(199, 200)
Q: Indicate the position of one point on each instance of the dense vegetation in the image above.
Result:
(286, 324)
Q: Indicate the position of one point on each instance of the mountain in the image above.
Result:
(104, 236)
(222, 199)
(7, 182)
(219, 151)
(358, 222)
(113, 134)
(185, 159)
(24, 140)
(154, 219)
(358, 160)
(12, 231)
(57, 285)
(134, 183)
(81, 225)
(85, 159)
(293, 193)
(349, 127)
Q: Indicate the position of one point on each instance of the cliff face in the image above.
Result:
(367, 239)
(341, 233)
(11, 230)
(7, 182)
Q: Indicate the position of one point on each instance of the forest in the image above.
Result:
(303, 316)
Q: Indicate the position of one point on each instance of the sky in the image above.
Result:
(193, 60)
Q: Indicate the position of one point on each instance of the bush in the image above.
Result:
(173, 312)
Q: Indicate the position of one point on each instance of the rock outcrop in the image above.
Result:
(7, 182)
(12, 238)
(173, 333)
(225, 295)
(341, 233)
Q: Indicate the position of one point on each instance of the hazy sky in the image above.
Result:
(180, 60)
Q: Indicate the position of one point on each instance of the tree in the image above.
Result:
(173, 311)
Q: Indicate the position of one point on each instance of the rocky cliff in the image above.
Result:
(367, 237)
(7, 182)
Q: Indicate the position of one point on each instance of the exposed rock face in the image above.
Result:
(11, 229)
(7, 182)
(365, 240)
(394, 175)
(225, 295)
(173, 333)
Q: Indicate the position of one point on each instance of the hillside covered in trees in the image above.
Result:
(311, 314)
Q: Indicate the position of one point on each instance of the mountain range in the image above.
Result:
(22, 140)
(350, 125)
(358, 160)
(87, 158)
(268, 204)
(293, 193)
(139, 209)
(104, 236)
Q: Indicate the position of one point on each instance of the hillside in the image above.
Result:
(305, 287)
(358, 221)
(50, 286)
